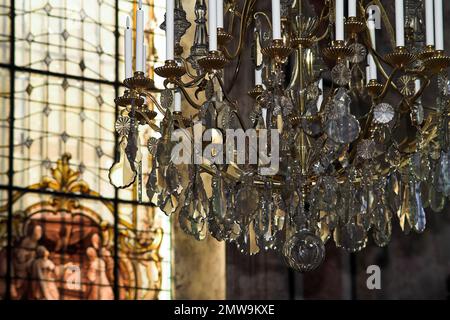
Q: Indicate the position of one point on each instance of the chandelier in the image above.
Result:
(356, 148)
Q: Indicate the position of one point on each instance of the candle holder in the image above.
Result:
(213, 61)
(374, 88)
(256, 91)
(277, 51)
(302, 42)
(400, 58)
(128, 98)
(223, 37)
(437, 63)
(354, 26)
(140, 82)
(428, 52)
(145, 115)
(170, 70)
(337, 51)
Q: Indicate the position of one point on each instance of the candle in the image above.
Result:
(276, 20)
(439, 24)
(367, 71)
(417, 85)
(320, 98)
(371, 62)
(144, 59)
(339, 20)
(170, 7)
(177, 101)
(258, 76)
(139, 38)
(212, 19)
(429, 22)
(264, 115)
(219, 13)
(352, 8)
(399, 23)
(128, 51)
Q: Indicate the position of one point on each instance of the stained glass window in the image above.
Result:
(67, 233)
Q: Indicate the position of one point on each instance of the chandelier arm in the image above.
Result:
(153, 99)
(233, 103)
(235, 75)
(245, 22)
(187, 68)
(323, 36)
(269, 21)
(148, 121)
(419, 93)
(192, 83)
(387, 84)
(180, 85)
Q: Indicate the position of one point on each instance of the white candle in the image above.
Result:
(320, 98)
(264, 115)
(367, 71)
(352, 8)
(177, 101)
(128, 51)
(399, 23)
(219, 13)
(276, 20)
(144, 59)
(439, 24)
(371, 26)
(429, 22)
(371, 62)
(139, 37)
(339, 20)
(212, 19)
(373, 74)
(258, 76)
(170, 7)
(417, 85)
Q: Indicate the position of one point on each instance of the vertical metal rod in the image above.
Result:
(116, 142)
(11, 153)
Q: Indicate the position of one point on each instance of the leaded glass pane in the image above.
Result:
(56, 115)
(4, 125)
(5, 31)
(74, 37)
(65, 82)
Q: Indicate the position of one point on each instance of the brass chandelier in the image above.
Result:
(358, 147)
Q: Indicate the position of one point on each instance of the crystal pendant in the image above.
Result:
(343, 130)
(246, 203)
(436, 200)
(304, 251)
(443, 174)
(247, 242)
(383, 113)
(168, 197)
(382, 226)
(341, 74)
(193, 215)
(327, 188)
(351, 237)
(152, 183)
(267, 227)
(420, 165)
(121, 173)
(417, 217)
(220, 223)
